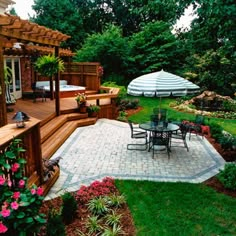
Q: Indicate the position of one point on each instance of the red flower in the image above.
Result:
(39, 191)
(16, 195)
(2, 180)
(5, 213)
(3, 228)
(21, 183)
(15, 167)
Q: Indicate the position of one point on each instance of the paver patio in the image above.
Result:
(99, 150)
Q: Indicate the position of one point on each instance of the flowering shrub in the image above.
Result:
(96, 189)
(81, 98)
(100, 71)
(19, 205)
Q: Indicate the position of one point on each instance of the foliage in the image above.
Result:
(116, 200)
(216, 130)
(109, 48)
(55, 225)
(227, 176)
(211, 44)
(113, 218)
(81, 98)
(122, 116)
(93, 108)
(69, 207)
(19, 203)
(94, 224)
(96, 189)
(227, 142)
(170, 209)
(127, 103)
(116, 230)
(49, 65)
(52, 14)
(98, 206)
(155, 48)
(7, 75)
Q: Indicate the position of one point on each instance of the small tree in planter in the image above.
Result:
(93, 110)
(49, 65)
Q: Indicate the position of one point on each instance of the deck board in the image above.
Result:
(40, 110)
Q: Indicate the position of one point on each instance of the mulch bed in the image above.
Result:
(127, 221)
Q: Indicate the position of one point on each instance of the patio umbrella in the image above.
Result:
(161, 84)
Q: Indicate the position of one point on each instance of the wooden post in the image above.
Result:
(3, 108)
(57, 86)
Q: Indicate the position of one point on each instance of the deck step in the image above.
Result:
(58, 137)
(50, 127)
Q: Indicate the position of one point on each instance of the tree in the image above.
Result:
(155, 48)
(212, 45)
(110, 48)
(61, 15)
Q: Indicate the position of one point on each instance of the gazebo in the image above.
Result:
(161, 84)
(22, 37)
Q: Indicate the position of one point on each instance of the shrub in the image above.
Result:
(122, 116)
(98, 206)
(69, 207)
(228, 176)
(227, 142)
(94, 225)
(216, 131)
(96, 189)
(55, 224)
(19, 204)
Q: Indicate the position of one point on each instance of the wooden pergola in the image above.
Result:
(32, 37)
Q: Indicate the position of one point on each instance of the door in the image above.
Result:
(15, 85)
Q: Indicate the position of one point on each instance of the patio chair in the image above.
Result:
(162, 112)
(136, 133)
(178, 136)
(160, 141)
(196, 126)
(38, 92)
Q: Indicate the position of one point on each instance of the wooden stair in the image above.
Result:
(56, 131)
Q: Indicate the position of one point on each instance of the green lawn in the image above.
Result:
(168, 209)
(149, 103)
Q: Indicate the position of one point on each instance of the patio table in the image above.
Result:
(160, 128)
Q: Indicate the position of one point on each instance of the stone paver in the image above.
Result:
(99, 150)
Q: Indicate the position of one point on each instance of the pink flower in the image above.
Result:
(33, 191)
(5, 213)
(15, 167)
(21, 183)
(2, 180)
(14, 205)
(16, 195)
(39, 191)
(3, 228)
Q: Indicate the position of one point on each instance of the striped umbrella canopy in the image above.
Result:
(161, 84)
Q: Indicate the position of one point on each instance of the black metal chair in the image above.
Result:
(136, 133)
(38, 92)
(160, 113)
(160, 140)
(195, 127)
(179, 135)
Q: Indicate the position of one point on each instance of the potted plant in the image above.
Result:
(93, 110)
(49, 65)
(81, 102)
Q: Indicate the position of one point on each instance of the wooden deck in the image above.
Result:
(41, 110)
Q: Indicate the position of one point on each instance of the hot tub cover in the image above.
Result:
(161, 84)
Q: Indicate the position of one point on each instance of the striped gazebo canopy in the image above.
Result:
(161, 84)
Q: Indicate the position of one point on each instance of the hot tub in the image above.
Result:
(68, 90)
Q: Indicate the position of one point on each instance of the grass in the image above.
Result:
(168, 209)
(149, 103)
